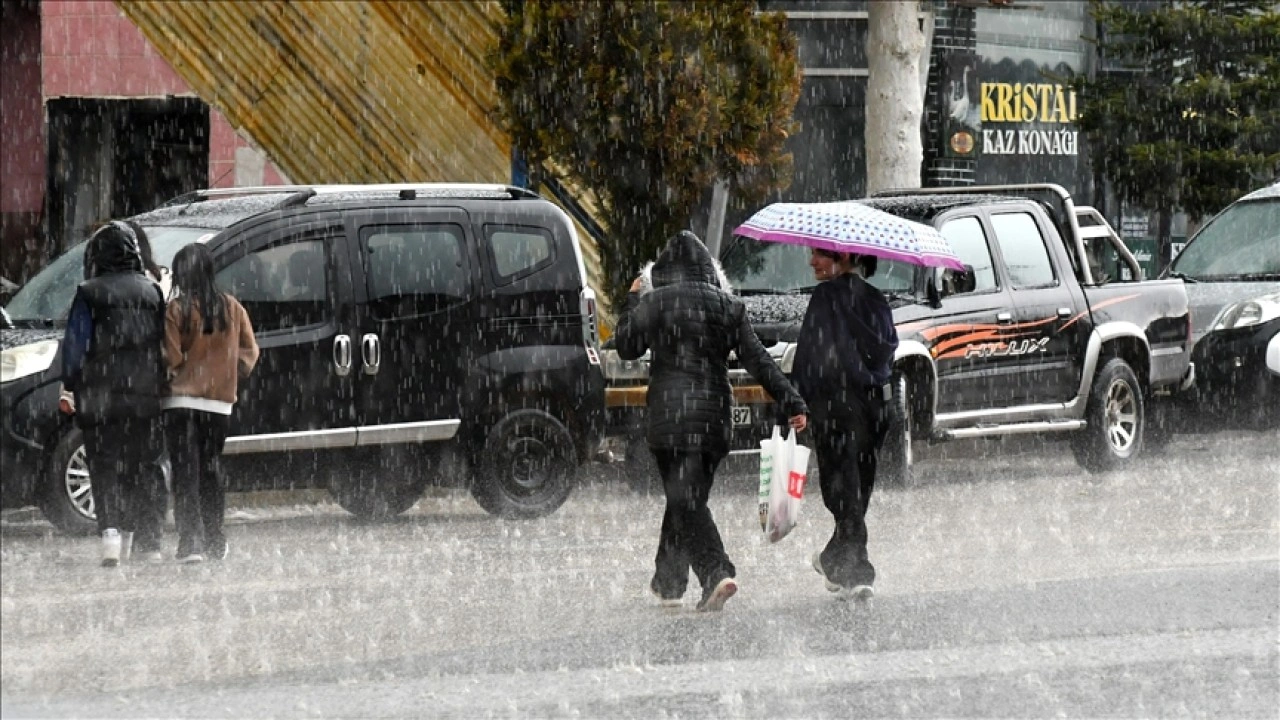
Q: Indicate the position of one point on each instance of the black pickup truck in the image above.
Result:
(1030, 338)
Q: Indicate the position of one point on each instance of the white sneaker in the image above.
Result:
(110, 547)
(715, 600)
(126, 546)
(861, 593)
(191, 559)
(816, 561)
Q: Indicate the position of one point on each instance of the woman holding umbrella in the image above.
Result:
(844, 357)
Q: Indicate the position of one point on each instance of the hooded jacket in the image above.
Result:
(690, 324)
(845, 349)
(111, 357)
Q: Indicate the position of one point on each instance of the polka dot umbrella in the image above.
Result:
(853, 228)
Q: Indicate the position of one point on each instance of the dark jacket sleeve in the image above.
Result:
(630, 337)
(75, 342)
(756, 360)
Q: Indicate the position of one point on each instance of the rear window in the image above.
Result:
(1242, 242)
(518, 250)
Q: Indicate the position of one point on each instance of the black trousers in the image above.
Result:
(195, 440)
(847, 475)
(124, 459)
(689, 537)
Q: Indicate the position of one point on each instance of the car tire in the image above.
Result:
(373, 494)
(527, 466)
(1115, 420)
(895, 456)
(640, 468)
(65, 494)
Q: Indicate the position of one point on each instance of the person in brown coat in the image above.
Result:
(209, 345)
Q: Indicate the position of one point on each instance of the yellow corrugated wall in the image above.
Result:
(347, 92)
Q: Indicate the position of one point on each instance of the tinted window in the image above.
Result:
(282, 287)
(415, 269)
(518, 251)
(1243, 240)
(969, 241)
(1025, 253)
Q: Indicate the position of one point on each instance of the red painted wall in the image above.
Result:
(91, 49)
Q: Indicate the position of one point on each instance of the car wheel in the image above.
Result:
(65, 496)
(373, 493)
(526, 468)
(640, 468)
(1115, 420)
(895, 459)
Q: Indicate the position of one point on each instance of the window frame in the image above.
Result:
(370, 229)
(501, 280)
(992, 252)
(329, 236)
(1055, 271)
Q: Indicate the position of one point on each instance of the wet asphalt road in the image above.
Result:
(1013, 586)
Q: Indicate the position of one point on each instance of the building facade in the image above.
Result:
(96, 125)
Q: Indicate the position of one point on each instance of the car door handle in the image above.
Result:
(1004, 317)
(342, 355)
(1064, 312)
(370, 353)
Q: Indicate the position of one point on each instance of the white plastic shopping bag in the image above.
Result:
(790, 470)
(767, 449)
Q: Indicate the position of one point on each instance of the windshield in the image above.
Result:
(1242, 242)
(756, 267)
(46, 298)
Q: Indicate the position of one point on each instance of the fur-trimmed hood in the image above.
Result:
(684, 259)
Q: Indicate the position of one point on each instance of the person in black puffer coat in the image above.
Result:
(113, 366)
(843, 362)
(690, 325)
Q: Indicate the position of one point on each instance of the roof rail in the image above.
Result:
(209, 193)
(516, 193)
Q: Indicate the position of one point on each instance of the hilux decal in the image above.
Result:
(1002, 349)
(967, 340)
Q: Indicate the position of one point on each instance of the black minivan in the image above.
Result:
(411, 335)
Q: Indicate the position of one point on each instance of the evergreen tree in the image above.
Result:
(1185, 111)
(646, 103)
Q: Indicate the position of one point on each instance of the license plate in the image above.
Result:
(741, 414)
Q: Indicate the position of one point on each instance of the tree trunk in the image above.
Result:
(894, 103)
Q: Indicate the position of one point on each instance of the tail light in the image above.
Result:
(590, 328)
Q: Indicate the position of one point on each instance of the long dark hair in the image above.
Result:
(144, 247)
(194, 285)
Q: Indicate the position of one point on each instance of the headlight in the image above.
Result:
(1249, 312)
(24, 360)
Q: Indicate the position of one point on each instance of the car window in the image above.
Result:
(969, 241)
(1243, 240)
(282, 286)
(1024, 250)
(518, 251)
(416, 269)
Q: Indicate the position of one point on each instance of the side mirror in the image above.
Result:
(955, 282)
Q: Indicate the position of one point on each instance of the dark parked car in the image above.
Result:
(1232, 270)
(411, 335)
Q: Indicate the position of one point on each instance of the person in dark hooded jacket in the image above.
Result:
(690, 324)
(843, 362)
(112, 364)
